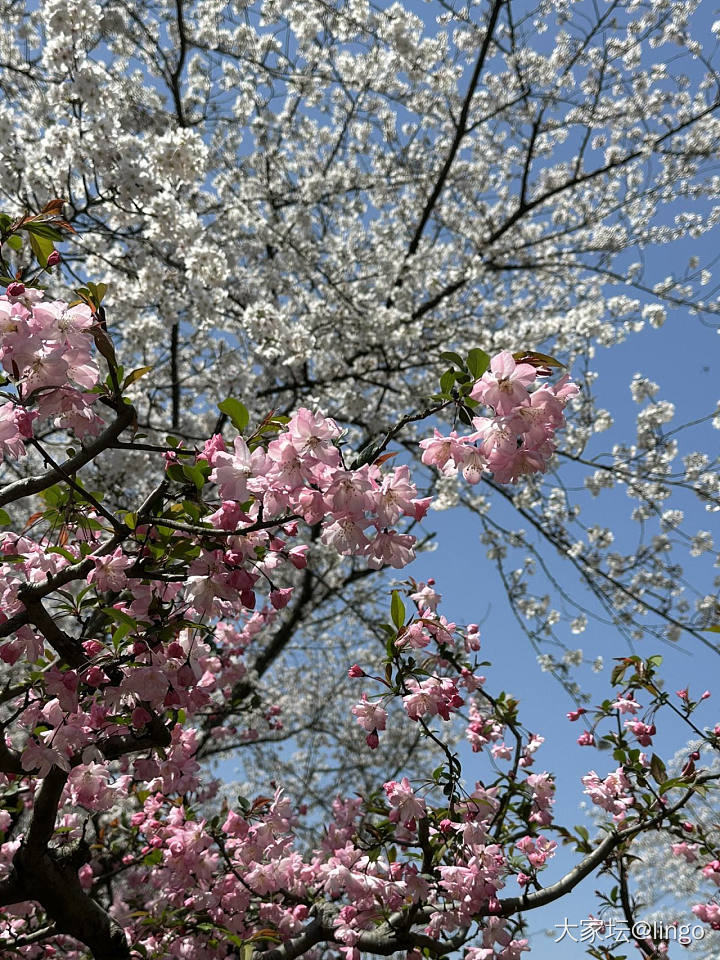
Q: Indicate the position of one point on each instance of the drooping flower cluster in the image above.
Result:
(612, 794)
(46, 349)
(302, 472)
(518, 439)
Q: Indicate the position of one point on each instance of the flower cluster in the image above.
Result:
(46, 351)
(613, 794)
(301, 472)
(518, 439)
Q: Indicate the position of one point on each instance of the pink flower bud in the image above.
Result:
(280, 598)
(54, 259)
(85, 876)
(95, 677)
(140, 717)
(373, 740)
(356, 671)
(15, 289)
(92, 647)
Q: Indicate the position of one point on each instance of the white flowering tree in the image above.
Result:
(332, 205)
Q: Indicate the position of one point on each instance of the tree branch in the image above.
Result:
(30, 485)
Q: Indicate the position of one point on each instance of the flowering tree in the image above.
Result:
(126, 632)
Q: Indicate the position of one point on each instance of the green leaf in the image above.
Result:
(657, 769)
(119, 616)
(478, 361)
(539, 360)
(464, 417)
(14, 242)
(618, 673)
(97, 291)
(4, 518)
(451, 357)
(233, 938)
(42, 248)
(366, 454)
(135, 375)
(447, 381)
(197, 473)
(175, 473)
(63, 553)
(397, 610)
(237, 412)
(42, 230)
(119, 635)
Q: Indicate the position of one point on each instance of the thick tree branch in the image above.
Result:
(30, 485)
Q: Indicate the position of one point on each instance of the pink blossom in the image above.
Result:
(281, 598)
(542, 790)
(41, 758)
(537, 849)
(625, 704)
(505, 385)
(231, 471)
(688, 851)
(709, 913)
(434, 696)
(643, 731)
(371, 716)
(612, 793)
(88, 787)
(15, 427)
(149, 683)
(109, 572)
(392, 549)
(402, 798)
(445, 453)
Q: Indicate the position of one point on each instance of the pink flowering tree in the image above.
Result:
(127, 636)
